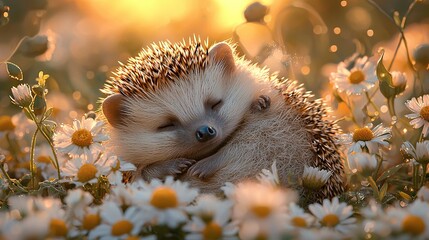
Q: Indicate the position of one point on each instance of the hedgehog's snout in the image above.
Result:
(205, 133)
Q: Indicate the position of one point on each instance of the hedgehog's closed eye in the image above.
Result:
(216, 105)
(167, 126)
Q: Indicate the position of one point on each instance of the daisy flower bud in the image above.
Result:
(399, 81)
(21, 95)
(314, 178)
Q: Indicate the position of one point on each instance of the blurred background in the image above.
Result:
(78, 43)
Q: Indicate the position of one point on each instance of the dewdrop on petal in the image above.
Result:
(21, 95)
(314, 178)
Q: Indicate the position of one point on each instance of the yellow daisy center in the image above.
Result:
(424, 113)
(43, 159)
(330, 220)
(299, 222)
(57, 228)
(356, 77)
(82, 138)
(6, 123)
(86, 172)
(261, 211)
(212, 231)
(164, 197)
(413, 224)
(363, 134)
(121, 227)
(90, 221)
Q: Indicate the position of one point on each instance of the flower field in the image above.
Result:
(60, 178)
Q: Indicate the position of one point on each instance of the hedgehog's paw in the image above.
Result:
(204, 168)
(177, 166)
(166, 168)
(262, 103)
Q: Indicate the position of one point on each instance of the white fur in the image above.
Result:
(140, 142)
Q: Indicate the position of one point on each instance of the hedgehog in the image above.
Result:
(207, 116)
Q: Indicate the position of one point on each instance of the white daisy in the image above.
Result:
(21, 95)
(320, 234)
(210, 219)
(117, 167)
(23, 205)
(298, 218)
(126, 195)
(420, 117)
(81, 171)
(83, 225)
(116, 223)
(375, 221)
(366, 138)
(333, 214)
(260, 210)
(362, 163)
(229, 190)
(411, 222)
(38, 217)
(359, 79)
(83, 138)
(314, 178)
(77, 201)
(423, 194)
(166, 201)
(32, 227)
(270, 177)
(420, 153)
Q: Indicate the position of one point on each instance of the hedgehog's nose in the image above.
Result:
(205, 133)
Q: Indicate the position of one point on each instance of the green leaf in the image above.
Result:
(397, 19)
(383, 191)
(14, 71)
(405, 196)
(48, 113)
(39, 105)
(385, 79)
(388, 173)
(374, 186)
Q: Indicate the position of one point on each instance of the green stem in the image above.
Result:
(391, 106)
(416, 168)
(401, 31)
(32, 165)
(10, 180)
(379, 162)
(394, 55)
(371, 102)
(425, 167)
(48, 139)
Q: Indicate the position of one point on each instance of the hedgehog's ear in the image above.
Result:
(222, 53)
(113, 109)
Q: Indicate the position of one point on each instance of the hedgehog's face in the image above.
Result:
(191, 118)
